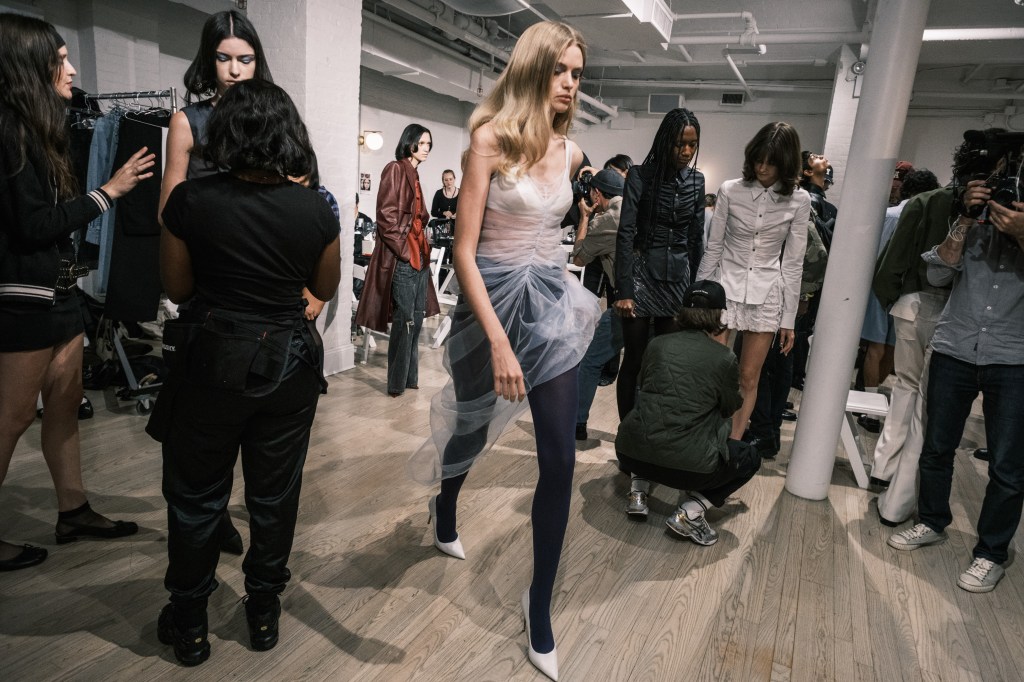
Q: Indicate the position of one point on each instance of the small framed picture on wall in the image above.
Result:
(364, 182)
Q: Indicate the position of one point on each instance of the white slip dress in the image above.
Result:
(547, 314)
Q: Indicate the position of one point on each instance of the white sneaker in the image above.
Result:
(981, 576)
(919, 535)
(637, 505)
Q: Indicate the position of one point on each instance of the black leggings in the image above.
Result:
(553, 406)
(636, 332)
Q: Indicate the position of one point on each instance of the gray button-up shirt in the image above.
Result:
(983, 322)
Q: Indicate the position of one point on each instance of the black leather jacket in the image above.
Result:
(667, 230)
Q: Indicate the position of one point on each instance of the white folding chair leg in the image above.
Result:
(442, 331)
(851, 443)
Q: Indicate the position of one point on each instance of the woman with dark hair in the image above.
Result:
(660, 241)
(678, 432)
(523, 321)
(755, 217)
(247, 368)
(41, 327)
(397, 288)
(229, 52)
(620, 163)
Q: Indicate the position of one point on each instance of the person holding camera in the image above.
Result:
(978, 346)
(595, 241)
(660, 241)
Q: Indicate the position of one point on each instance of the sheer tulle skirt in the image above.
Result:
(549, 319)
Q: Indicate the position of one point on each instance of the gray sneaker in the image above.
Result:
(981, 576)
(918, 535)
(637, 505)
(696, 529)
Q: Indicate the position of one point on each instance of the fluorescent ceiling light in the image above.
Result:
(949, 34)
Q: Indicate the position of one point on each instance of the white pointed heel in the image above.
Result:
(453, 548)
(546, 663)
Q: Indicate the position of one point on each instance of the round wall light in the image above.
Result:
(372, 140)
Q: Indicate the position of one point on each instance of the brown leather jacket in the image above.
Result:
(395, 210)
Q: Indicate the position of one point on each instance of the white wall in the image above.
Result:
(723, 138)
(928, 142)
(390, 104)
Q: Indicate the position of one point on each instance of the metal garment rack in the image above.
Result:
(169, 93)
(142, 394)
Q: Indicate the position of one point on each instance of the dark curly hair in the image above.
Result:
(777, 144)
(256, 126)
(917, 181)
(201, 76)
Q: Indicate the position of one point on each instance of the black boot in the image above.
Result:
(230, 538)
(262, 612)
(191, 646)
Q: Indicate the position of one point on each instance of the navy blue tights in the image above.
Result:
(553, 405)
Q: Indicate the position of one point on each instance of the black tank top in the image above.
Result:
(198, 116)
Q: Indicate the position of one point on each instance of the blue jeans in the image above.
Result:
(606, 344)
(408, 306)
(952, 387)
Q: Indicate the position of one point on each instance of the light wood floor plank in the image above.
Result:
(793, 590)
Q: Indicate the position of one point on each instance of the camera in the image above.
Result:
(997, 157)
(581, 187)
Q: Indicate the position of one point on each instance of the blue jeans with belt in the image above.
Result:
(952, 387)
(408, 307)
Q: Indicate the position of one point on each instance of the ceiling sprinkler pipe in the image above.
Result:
(739, 76)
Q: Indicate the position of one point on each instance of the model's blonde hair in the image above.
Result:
(517, 107)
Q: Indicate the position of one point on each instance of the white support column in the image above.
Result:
(842, 114)
(313, 49)
(895, 48)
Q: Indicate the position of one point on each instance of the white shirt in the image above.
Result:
(744, 252)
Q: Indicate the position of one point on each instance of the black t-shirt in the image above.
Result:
(253, 246)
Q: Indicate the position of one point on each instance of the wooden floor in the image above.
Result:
(794, 590)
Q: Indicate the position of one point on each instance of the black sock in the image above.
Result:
(72, 513)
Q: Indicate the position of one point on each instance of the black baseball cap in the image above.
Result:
(609, 182)
(704, 293)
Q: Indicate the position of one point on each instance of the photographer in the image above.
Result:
(596, 241)
(978, 347)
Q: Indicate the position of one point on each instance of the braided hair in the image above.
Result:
(659, 162)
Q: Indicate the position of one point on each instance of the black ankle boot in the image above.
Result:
(191, 646)
(262, 612)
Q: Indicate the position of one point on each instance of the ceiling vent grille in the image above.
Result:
(732, 99)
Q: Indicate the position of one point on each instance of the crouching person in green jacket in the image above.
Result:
(678, 432)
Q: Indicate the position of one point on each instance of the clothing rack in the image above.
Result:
(169, 93)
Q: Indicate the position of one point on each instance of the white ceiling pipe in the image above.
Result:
(705, 85)
(739, 76)
(769, 38)
(930, 35)
(969, 95)
(598, 104)
(682, 51)
(586, 116)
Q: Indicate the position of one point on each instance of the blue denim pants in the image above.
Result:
(408, 306)
(605, 345)
(952, 387)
